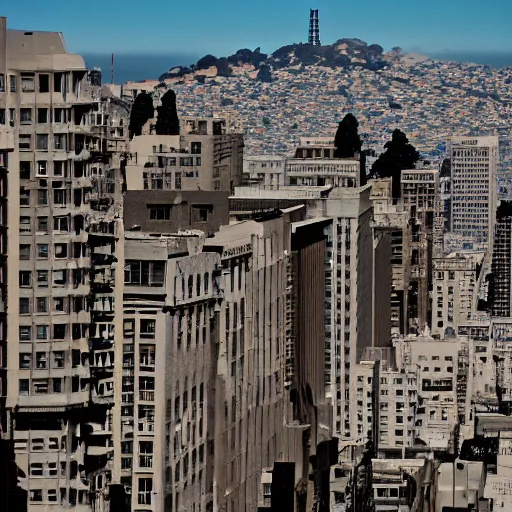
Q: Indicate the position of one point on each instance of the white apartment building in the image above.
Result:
(474, 162)
(266, 171)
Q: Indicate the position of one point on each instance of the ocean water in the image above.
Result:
(137, 67)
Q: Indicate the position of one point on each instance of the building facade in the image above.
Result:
(474, 163)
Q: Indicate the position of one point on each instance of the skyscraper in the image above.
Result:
(314, 31)
(474, 163)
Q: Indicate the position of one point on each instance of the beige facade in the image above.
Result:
(264, 171)
(64, 201)
(454, 295)
(205, 156)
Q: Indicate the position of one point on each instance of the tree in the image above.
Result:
(167, 122)
(142, 111)
(347, 139)
(399, 155)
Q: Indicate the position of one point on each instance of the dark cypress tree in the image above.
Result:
(347, 139)
(142, 111)
(399, 155)
(167, 122)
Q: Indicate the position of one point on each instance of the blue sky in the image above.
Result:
(201, 26)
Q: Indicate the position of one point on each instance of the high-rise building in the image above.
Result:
(64, 204)
(500, 296)
(314, 30)
(474, 162)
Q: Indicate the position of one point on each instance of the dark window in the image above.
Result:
(201, 213)
(42, 115)
(25, 169)
(25, 252)
(195, 148)
(44, 83)
(144, 273)
(159, 212)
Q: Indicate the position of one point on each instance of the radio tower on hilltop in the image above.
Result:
(314, 31)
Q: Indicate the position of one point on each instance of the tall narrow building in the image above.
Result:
(474, 162)
(64, 207)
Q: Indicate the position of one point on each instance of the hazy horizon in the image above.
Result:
(142, 66)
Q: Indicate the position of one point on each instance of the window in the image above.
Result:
(36, 495)
(42, 224)
(59, 304)
(59, 331)
(59, 114)
(57, 385)
(25, 170)
(42, 115)
(41, 360)
(42, 251)
(27, 82)
(25, 360)
(186, 161)
(60, 197)
(42, 332)
(42, 304)
(60, 169)
(42, 141)
(147, 328)
(44, 83)
(40, 386)
(177, 180)
(25, 278)
(25, 224)
(58, 359)
(24, 387)
(159, 212)
(201, 213)
(195, 148)
(24, 306)
(2, 115)
(59, 277)
(25, 142)
(206, 282)
(25, 115)
(24, 252)
(145, 491)
(144, 273)
(42, 278)
(59, 141)
(52, 493)
(2, 82)
(61, 250)
(42, 197)
(24, 197)
(12, 83)
(61, 224)
(42, 168)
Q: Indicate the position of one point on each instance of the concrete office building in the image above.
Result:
(205, 156)
(264, 171)
(358, 277)
(64, 207)
(474, 162)
(454, 293)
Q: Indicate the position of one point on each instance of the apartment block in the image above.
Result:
(64, 206)
(474, 162)
(264, 171)
(205, 156)
(454, 293)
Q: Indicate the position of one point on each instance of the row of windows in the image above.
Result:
(30, 82)
(61, 224)
(42, 362)
(60, 142)
(54, 385)
(60, 278)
